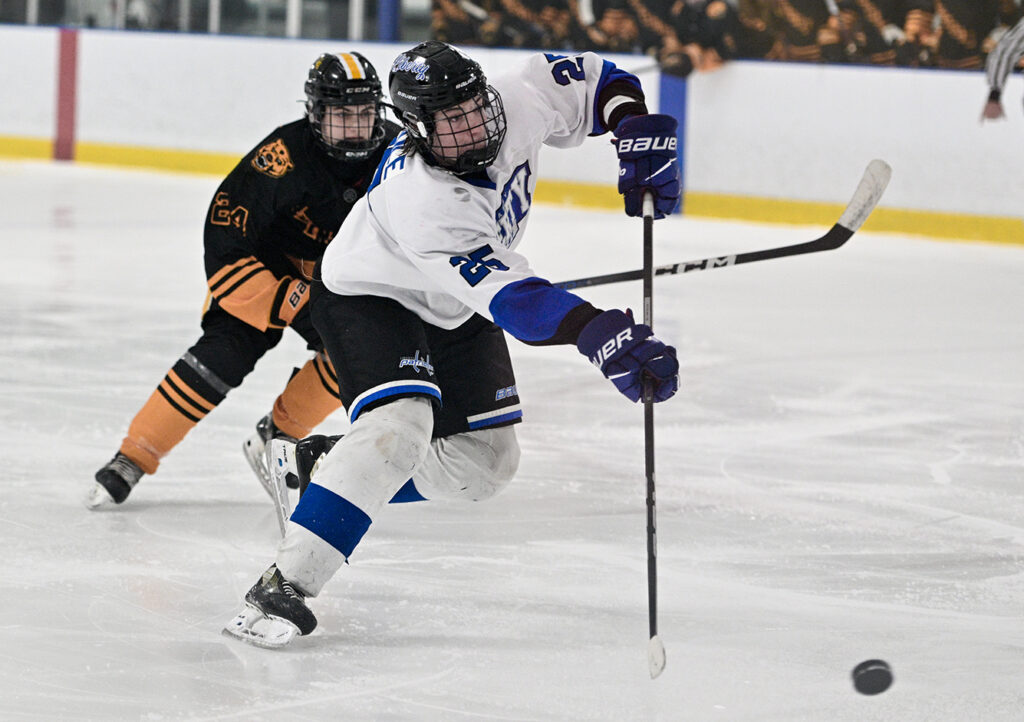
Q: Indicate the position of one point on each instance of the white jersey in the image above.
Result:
(445, 246)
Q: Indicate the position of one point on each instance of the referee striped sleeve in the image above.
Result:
(1004, 56)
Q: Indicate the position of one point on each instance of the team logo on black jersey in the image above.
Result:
(417, 363)
(515, 204)
(273, 159)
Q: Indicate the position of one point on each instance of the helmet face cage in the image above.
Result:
(452, 116)
(468, 136)
(335, 85)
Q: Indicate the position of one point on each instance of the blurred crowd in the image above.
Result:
(688, 35)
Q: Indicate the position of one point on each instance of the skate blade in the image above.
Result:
(256, 628)
(253, 448)
(281, 460)
(98, 498)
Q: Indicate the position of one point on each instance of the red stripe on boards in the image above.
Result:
(67, 66)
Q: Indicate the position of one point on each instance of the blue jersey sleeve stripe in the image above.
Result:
(532, 309)
(495, 420)
(609, 74)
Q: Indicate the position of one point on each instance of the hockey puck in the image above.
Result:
(872, 676)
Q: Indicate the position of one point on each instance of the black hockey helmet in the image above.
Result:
(338, 80)
(437, 82)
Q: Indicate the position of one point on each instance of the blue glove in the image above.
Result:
(628, 352)
(647, 162)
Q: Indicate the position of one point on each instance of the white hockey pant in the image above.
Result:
(383, 449)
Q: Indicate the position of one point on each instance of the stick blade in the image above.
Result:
(655, 656)
(869, 192)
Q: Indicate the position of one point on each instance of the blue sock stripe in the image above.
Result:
(338, 522)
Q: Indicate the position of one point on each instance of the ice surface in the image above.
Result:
(841, 478)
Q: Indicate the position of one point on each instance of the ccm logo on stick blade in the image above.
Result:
(639, 145)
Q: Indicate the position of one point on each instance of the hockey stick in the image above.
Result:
(865, 198)
(655, 649)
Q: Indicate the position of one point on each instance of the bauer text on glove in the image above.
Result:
(648, 163)
(627, 353)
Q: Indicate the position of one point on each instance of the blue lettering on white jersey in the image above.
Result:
(566, 70)
(477, 265)
(515, 204)
(393, 161)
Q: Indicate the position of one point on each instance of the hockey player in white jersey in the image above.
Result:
(416, 288)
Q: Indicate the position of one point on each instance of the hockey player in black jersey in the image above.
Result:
(268, 224)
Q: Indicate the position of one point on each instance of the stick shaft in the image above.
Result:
(652, 545)
(869, 191)
(837, 236)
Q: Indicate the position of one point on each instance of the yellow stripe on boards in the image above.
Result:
(15, 147)
(932, 224)
(183, 161)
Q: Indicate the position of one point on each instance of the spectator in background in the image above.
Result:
(803, 25)
(711, 24)
(964, 26)
(876, 28)
(458, 21)
(755, 33)
(544, 24)
(687, 35)
(698, 35)
(610, 26)
(657, 34)
(919, 37)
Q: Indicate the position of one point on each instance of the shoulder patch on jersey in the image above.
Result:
(391, 163)
(273, 159)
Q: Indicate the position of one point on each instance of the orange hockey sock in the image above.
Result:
(310, 397)
(170, 413)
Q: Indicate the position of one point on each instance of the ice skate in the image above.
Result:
(257, 453)
(308, 454)
(114, 482)
(275, 613)
(280, 459)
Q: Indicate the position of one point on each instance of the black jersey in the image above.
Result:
(272, 217)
